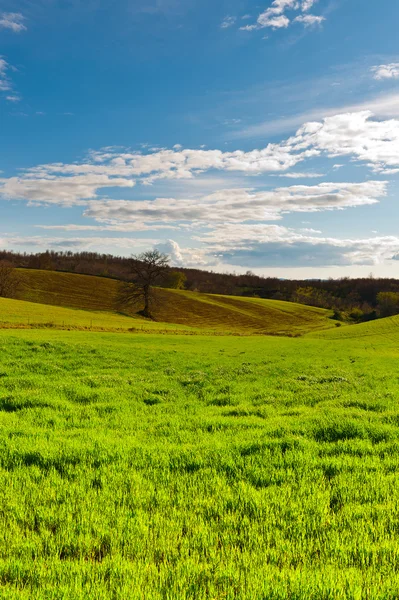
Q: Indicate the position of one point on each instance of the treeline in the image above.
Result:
(354, 299)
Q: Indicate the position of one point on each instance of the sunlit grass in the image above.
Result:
(21, 314)
(174, 309)
(175, 467)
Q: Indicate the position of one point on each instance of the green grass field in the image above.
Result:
(19, 314)
(170, 467)
(176, 310)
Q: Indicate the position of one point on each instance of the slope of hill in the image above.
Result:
(21, 314)
(252, 315)
(67, 289)
(386, 329)
(183, 309)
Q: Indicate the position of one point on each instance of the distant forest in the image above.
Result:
(351, 299)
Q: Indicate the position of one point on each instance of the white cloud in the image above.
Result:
(5, 81)
(383, 106)
(101, 244)
(275, 16)
(294, 175)
(238, 205)
(358, 136)
(276, 22)
(307, 4)
(71, 183)
(247, 245)
(309, 20)
(13, 98)
(12, 21)
(122, 227)
(58, 190)
(390, 71)
(173, 250)
(262, 245)
(248, 27)
(186, 257)
(228, 22)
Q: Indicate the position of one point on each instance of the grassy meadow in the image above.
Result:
(199, 467)
(92, 302)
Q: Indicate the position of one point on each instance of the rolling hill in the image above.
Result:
(83, 301)
(380, 329)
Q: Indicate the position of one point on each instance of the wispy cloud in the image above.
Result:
(78, 243)
(294, 175)
(13, 98)
(386, 105)
(6, 85)
(228, 22)
(309, 20)
(13, 21)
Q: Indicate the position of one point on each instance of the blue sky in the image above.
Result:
(232, 135)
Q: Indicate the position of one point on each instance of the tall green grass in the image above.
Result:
(168, 467)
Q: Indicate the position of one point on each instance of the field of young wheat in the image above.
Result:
(174, 467)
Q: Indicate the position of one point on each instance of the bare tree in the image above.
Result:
(9, 280)
(148, 269)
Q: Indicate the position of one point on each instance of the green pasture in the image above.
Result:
(172, 309)
(170, 467)
(28, 315)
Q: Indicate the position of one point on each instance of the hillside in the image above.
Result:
(385, 329)
(344, 294)
(206, 312)
(18, 314)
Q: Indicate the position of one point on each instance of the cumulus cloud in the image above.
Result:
(357, 135)
(173, 250)
(12, 21)
(390, 71)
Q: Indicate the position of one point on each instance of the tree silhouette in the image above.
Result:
(148, 270)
